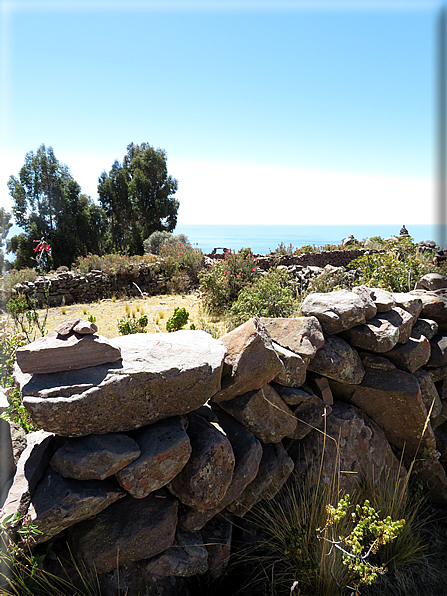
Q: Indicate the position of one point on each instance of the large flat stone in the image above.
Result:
(336, 311)
(411, 355)
(127, 531)
(338, 361)
(56, 353)
(300, 335)
(186, 557)
(160, 375)
(294, 373)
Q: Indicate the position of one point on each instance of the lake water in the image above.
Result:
(264, 239)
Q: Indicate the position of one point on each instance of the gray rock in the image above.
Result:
(381, 333)
(409, 302)
(291, 395)
(216, 536)
(310, 414)
(433, 281)
(18, 439)
(425, 327)
(320, 386)
(94, 457)
(430, 395)
(300, 335)
(165, 449)
(160, 375)
(294, 373)
(58, 503)
(127, 531)
(251, 360)
(383, 299)
(274, 469)
(438, 356)
(57, 353)
(434, 306)
(264, 413)
(204, 480)
(186, 557)
(336, 311)
(338, 361)
(8, 466)
(30, 470)
(247, 453)
(4, 403)
(412, 355)
(369, 305)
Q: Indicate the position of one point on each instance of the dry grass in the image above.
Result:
(157, 308)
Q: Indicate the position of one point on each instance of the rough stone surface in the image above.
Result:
(291, 395)
(381, 333)
(247, 453)
(160, 375)
(186, 557)
(409, 302)
(434, 306)
(58, 503)
(383, 299)
(337, 360)
(264, 413)
(430, 395)
(294, 373)
(438, 356)
(401, 319)
(8, 466)
(95, 456)
(320, 387)
(216, 536)
(310, 415)
(133, 529)
(425, 327)
(411, 355)
(165, 449)
(393, 400)
(66, 327)
(85, 327)
(274, 469)
(438, 374)
(359, 447)
(204, 480)
(4, 403)
(365, 295)
(19, 440)
(336, 311)
(30, 469)
(301, 335)
(433, 281)
(56, 353)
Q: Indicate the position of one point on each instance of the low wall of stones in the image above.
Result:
(153, 445)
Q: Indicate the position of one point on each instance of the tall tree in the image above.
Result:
(137, 196)
(48, 202)
(5, 224)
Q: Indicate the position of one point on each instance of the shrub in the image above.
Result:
(131, 325)
(178, 320)
(273, 295)
(178, 258)
(156, 240)
(221, 283)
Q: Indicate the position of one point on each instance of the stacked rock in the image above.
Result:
(152, 443)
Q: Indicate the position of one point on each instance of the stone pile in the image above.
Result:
(153, 444)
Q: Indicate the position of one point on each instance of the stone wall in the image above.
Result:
(164, 439)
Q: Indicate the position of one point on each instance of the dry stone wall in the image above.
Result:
(153, 451)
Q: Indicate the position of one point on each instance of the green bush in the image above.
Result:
(273, 295)
(221, 283)
(178, 320)
(130, 325)
(177, 258)
(156, 240)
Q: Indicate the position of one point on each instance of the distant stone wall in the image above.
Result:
(152, 448)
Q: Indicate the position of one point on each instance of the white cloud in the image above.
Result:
(226, 193)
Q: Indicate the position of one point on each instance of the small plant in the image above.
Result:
(84, 311)
(127, 310)
(113, 298)
(131, 325)
(91, 319)
(178, 320)
(63, 307)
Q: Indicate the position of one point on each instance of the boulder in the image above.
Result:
(354, 446)
(310, 414)
(382, 332)
(165, 449)
(319, 386)
(264, 413)
(425, 327)
(58, 503)
(274, 469)
(127, 531)
(365, 295)
(30, 470)
(160, 375)
(294, 372)
(247, 453)
(438, 355)
(337, 360)
(430, 395)
(393, 400)
(251, 360)
(77, 325)
(186, 557)
(383, 299)
(204, 480)
(8, 465)
(56, 353)
(300, 335)
(336, 311)
(433, 281)
(409, 302)
(412, 355)
(216, 536)
(95, 456)
(434, 306)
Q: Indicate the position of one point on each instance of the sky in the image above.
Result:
(270, 113)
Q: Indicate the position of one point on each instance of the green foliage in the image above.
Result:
(273, 295)
(364, 539)
(137, 196)
(178, 320)
(9, 342)
(48, 202)
(158, 239)
(23, 311)
(16, 412)
(91, 319)
(113, 264)
(220, 284)
(395, 270)
(177, 258)
(131, 324)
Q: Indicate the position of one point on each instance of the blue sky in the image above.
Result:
(286, 112)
